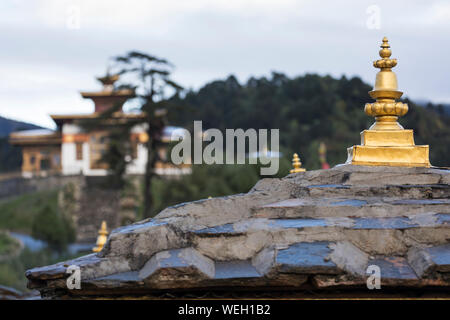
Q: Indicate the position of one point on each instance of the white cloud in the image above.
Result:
(438, 14)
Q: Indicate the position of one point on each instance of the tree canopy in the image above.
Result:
(307, 109)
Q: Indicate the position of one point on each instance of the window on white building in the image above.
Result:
(79, 150)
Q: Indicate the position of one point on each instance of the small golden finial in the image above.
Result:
(102, 237)
(296, 164)
(385, 53)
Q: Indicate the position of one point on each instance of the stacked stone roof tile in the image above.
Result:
(310, 231)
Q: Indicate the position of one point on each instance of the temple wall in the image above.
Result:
(73, 134)
(137, 166)
(70, 165)
(69, 128)
(41, 158)
(91, 202)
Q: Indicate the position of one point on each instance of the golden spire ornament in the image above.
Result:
(386, 143)
(386, 110)
(102, 237)
(296, 164)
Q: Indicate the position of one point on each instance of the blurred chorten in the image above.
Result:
(296, 164)
(102, 237)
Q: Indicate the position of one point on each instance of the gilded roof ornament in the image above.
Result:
(386, 143)
(386, 109)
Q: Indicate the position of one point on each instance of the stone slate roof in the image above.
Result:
(312, 231)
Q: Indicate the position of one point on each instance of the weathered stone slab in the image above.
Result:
(223, 229)
(298, 223)
(338, 281)
(371, 175)
(142, 241)
(177, 264)
(306, 257)
(348, 257)
(333, 186)
(91, 266)
(131, 276)
(440, 256)
(397, 271)
(349, 202)
(115, 281)
(444, 218)
(261, 224)
(418, 191)
(384, 223)
(421, 201)
(384, 175)
(286, 203)
(225, 248)
(235, 270)
(139, 226)
(264, 260)
(394, 268)
(425, 191)
(271, 225)
(58, 270)
(332, 207)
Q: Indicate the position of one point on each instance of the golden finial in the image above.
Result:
(386, 110)
(386, 143)
(296, 164)
(102, 237)
(385, 53)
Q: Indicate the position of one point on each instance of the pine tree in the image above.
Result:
(152, 76)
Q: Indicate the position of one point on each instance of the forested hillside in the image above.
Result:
(307, 109)
(7, 126)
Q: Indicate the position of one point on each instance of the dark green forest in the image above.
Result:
(308, 109)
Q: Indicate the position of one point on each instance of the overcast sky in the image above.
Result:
(52, 49)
